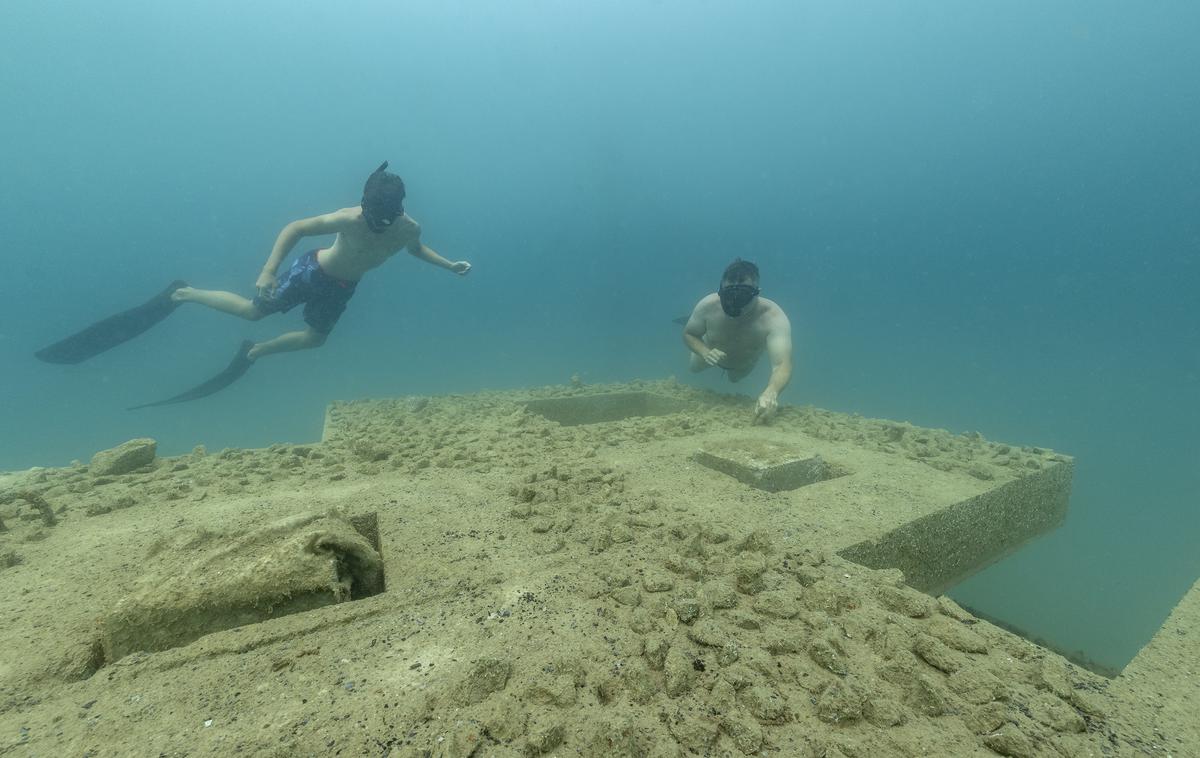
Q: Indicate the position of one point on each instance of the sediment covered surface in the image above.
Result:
(550, 590)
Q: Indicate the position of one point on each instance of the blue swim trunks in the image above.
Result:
(324, 297)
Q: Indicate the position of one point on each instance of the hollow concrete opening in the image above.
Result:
(611, 406)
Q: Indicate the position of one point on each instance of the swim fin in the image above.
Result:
(114, 330)
(238, 366)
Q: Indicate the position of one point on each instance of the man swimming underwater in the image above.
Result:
(323, 280)
(730, 327)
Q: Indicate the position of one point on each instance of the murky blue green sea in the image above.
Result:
(978, 216)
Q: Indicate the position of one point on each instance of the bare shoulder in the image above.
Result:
(407, 231)
(345, 215)
(328, 223)
(408, 225)
(708, 303)
(702, 312)
(773, 315)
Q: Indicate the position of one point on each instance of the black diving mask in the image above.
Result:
(735, 297)
(378, 220)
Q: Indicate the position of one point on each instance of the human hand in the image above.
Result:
(460, 267)
(266, 284)
(714, 357)
(767, 405)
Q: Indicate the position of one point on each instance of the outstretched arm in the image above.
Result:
(329, 223)
(429, 255)
(779, 349)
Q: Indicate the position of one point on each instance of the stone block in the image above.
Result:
(126, 457)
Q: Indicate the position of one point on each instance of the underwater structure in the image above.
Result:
(624, 570)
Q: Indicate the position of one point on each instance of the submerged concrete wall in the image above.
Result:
(940, 550)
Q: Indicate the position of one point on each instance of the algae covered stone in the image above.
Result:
(124, 458)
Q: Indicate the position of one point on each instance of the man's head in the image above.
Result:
(739, 287)
(383, 199)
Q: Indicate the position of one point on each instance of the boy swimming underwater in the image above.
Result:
(323, 280)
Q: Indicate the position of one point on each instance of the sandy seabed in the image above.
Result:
(547, 590)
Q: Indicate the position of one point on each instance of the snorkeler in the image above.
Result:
(730, 328)
(324, 280)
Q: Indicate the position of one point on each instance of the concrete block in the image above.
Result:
(766, 464)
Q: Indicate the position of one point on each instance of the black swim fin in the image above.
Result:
(238, 366)
(114, 330)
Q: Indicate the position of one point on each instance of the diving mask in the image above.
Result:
(735, 298)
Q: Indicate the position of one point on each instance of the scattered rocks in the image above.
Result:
(841, 702)
(485, 676)
(829, 654)
(708, 633)
(957, 635)
(657, 582)
(906, 601)
(777, 604)
(765, 703)
(1009, 740)
(679, 671)
(687, 609)
(936, 654)
(1054, 713)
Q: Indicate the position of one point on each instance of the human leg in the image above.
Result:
(284, 343)
(696, 364)
(226, 302)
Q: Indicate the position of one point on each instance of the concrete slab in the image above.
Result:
(600, 517)
(769, 465)
(938, 506)
(1161, 686)
(602, 407)
(888, 511)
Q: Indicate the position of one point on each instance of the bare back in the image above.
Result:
(357, 249)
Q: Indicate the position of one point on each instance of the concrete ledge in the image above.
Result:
(766, 464)
(939, 550)
(612, 406)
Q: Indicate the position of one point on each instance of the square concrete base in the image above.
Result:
(766, 464)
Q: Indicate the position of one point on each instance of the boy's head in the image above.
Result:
(739, 287)
(383, 199)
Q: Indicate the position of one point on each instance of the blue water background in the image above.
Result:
(979, 217)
